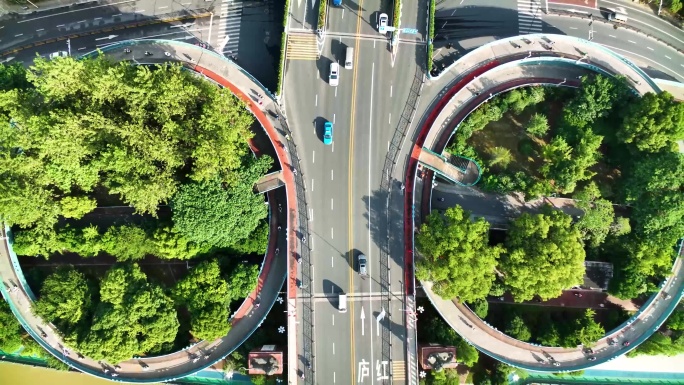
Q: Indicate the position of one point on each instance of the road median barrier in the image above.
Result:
(431, 34)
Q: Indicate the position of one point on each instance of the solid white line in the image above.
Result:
(370, 146)
(76, 10)
(643, 57)
(334, 381)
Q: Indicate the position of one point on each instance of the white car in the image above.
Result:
(55, 55)
(334, 78)
(383, 19)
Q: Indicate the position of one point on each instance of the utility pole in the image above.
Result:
(660, 7)
(69, 46)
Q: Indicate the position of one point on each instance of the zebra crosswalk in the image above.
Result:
(302, 46)
(529, 16)
(398, 371)
(229, 27)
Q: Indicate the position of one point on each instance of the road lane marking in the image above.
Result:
(573, 27)
(668, 57)
(343, 13)
(76, 10)
(313, 158)
(164, 7)
(650, 48)
(350, 184)
(370, 146)
(97, 18)
(81, 21)
(611, 35)
(389, 120)
(41, 29)
(118, 14)
(312, 184)
(390, 91)
(335, 91)
(332, 174)
(60, 26)
(332, 232)
(333, 322)
(186, 3)
(316, 100)
(333, 118)
(334, 380)
(333, 342)
(332, 205)
(18, 35)
(641, 56)
(631, 41)
(332, 264)
(82, 48)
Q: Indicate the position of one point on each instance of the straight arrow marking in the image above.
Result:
(363, 322)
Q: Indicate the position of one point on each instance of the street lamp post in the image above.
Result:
(69, 46)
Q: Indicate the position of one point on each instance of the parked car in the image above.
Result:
(57, 54)
(383, 19)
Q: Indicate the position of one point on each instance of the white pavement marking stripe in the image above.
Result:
(529, 17)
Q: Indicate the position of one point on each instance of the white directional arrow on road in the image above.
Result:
(363, 323)
(110, 37)
(380, 317)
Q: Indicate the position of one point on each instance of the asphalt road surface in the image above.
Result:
(348, 207)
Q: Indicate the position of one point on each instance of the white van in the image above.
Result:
(342, 305)
(349, 59)
(617, 17)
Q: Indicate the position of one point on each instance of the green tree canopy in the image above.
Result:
(516, 328)
(78, 125)
(598, 216)
(133, 317)
(65, 298)
(205, 294)
(586, 331)
(538, 125)
(209, 213)
(545, 255)
(10, 329)
(456, 255)
(653, 122)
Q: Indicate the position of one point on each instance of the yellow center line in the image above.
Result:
(350, 234)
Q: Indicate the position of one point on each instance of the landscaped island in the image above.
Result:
(614, 159)
(120, 164)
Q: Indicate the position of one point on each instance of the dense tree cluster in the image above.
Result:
(124, 314)
(457, 257)
(136, 131)
(79, 134)
(434, 330)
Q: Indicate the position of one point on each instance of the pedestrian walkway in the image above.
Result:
(271, 278)
(456, 169)
(473, 80)
(229, 27)
(529, 17)
(302, 46)
(269, 182)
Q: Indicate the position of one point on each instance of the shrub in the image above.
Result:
(431, 35)
(322, 8)
(538, 125)
(397, 13)
(501, 157)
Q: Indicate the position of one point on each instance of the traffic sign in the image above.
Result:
(410, 31)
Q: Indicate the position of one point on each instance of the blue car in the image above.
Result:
(328, 133)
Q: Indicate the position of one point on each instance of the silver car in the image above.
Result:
(363, 265)
(334, 79)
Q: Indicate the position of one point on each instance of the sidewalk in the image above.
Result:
(248, 318)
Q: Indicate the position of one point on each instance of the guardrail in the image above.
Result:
(76, 364)
(647, 307)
